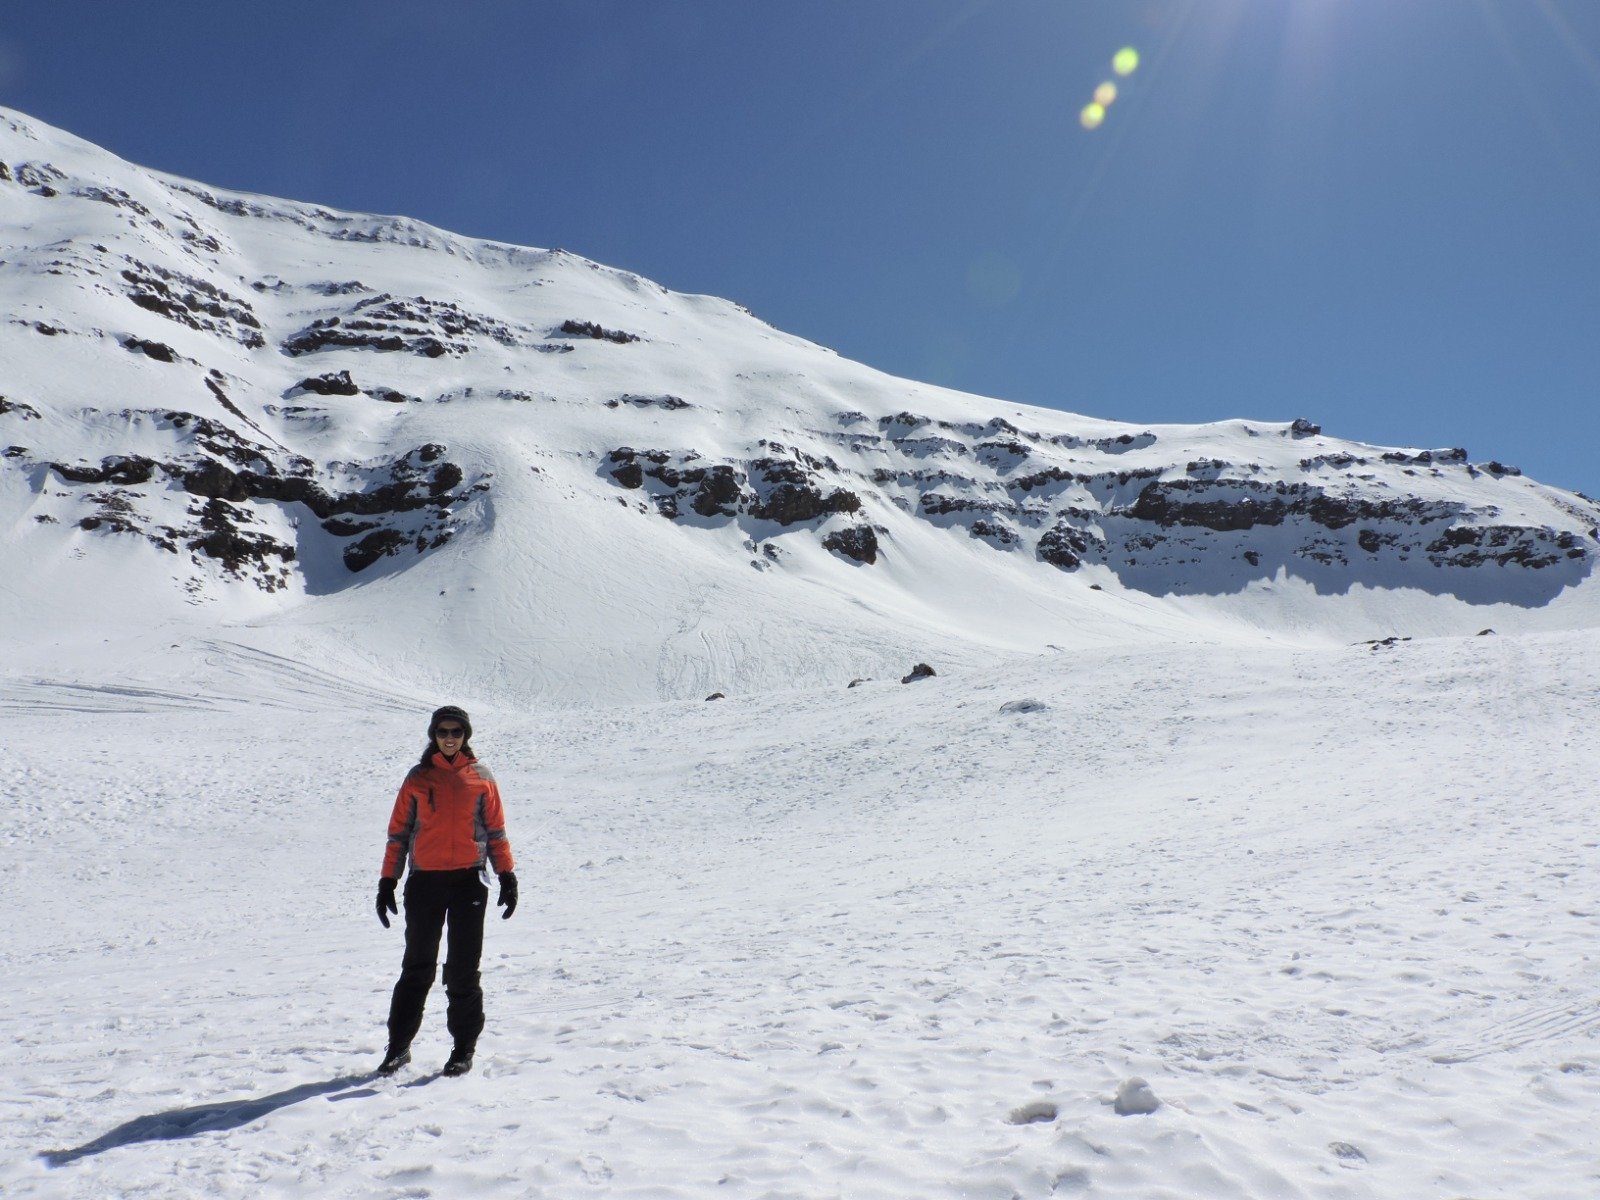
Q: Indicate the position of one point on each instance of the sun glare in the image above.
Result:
(1124, 62)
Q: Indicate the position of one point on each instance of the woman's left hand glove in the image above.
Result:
(508, 894)
(386, 900)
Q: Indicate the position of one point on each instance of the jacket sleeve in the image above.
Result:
(402, 830)
(494, 828)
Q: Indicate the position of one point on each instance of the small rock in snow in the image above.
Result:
(1134, 1098)
(920, 671)
(717, 696)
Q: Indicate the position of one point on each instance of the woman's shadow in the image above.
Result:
(211, 1118)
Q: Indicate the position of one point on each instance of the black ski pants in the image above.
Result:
(433, 901)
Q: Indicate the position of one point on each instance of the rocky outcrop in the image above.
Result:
(414, 325)
(191, 302)
(858, 542)
(588, 329)
(387, 507)
(786, 491)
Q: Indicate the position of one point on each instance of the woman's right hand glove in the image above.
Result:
(508, 894)
(386, 902)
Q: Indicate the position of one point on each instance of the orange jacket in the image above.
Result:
(447, 817)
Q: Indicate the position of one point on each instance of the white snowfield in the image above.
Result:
(1338, 907)
(1222, 858)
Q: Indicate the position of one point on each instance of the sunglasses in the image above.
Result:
(453, 731)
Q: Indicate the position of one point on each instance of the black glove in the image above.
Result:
(508, 894)
(386, 904)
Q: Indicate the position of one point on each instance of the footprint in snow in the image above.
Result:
(1347, 1154)
(1035, 1112)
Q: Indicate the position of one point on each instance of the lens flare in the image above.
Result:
(1125, 61)
(1092, 115)
(1106, 94)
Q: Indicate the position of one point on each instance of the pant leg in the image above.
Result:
(463, 953)
(425, 907)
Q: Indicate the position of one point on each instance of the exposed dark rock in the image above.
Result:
(920, 671)
(192, 302)
(1427, 458)
(718, 493)
(417, 325)
(241, 552)
(214, 481)
(155, 350)
(903, 420)
(717, 696)
(24, 411)
(358, 556)
(589, 329)
(1341, 461)
(445, 477)
(126, 470)
(859, 542)
(115, 514)
(336, 384)
(858, 682)
(1302, 428)
(1107, 445)
(1166, 504)
(938, 504)
(1485, 632)
(628, 473)
(1039, 479)
(1066, 546)
(40, 178)
(670, 403)
(1507, 545)
(994, 532)
(787, 501)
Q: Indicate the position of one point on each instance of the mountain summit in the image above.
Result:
(269, 428)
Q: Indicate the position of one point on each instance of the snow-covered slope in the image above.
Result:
(279, 429)
(1338, 906)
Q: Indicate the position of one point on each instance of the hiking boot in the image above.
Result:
(394, 1059)
(460, 1061)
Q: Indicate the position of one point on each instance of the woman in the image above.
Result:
(447, 822)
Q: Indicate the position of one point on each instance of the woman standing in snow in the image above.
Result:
(448, 823)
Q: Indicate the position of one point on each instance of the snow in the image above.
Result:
(1176, 879)
(1337, 905)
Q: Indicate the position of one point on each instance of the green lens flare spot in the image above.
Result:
(1092, 115)
(1125, 61)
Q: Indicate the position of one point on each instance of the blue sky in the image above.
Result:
(1383, 215)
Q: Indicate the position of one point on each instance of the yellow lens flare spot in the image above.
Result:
(1125, 61)
(1106, 94)
(1092, 115)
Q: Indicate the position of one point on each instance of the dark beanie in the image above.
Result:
(449, 713)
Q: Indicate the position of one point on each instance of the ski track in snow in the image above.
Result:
(1339, 907)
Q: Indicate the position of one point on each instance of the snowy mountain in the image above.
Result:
(278, 480)
(364, 440)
